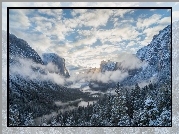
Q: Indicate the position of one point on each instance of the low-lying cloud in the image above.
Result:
(24, 68)
(129, 61)
(126, 62)
(105, 77)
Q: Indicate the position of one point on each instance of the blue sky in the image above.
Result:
(86, 37)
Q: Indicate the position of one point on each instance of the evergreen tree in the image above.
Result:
(148, 116)
(44, 121)
(165, 118)
(124, 117)
(29, 120)
(53, 121)
(60, 119)
(14, 116)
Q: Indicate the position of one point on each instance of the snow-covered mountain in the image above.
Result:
(56, 60)
(32, 87)
(158, 56)
(18, 48)
(107, 66)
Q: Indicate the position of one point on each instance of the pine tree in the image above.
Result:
(14, 116)
(119, 114)
(29, 120)
(53, 121)
(148, 116)
(60, 119)
(165, 118)
(124, 117)
(137, 95)
(96, 115)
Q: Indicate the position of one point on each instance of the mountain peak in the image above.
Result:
(19, 48)
(56, 60)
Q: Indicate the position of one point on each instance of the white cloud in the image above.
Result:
(92, 56)
(128, 61)
(60, 30)
(86, 32)
(150, 32)
(122, 12)
(71, 23)
(123, 30)
(117, 34)
(105, 77)
(95, 18)
(18, 19)
(124, 22)
(133, 50)
(85, 41)
(52, 12)
(114, 76)
(51, 26)
(78, 11)
(130, 44)
(147, 22)
(25, 70)
(165, 21)
(39, 42)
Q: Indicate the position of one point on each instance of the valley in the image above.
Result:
(43, 91)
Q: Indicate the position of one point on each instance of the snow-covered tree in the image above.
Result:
(148, 115)
(165, 118)
(44, 121)
(29, 121)
(53, 121)
(14, 116)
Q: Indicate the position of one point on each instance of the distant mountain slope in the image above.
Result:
(158, 56)
(30, 90)
(107, 66)
(18, 48)
(56, 60)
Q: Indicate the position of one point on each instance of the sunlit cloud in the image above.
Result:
(81, 35)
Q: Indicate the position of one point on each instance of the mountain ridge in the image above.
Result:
(56, 60)
(158, 56)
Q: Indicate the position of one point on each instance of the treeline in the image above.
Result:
(148, 106)
(32, 99)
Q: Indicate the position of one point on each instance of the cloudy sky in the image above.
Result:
(85, 37)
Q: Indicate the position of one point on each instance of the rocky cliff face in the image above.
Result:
(107, 66)
(56, 60)
(113, 66)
